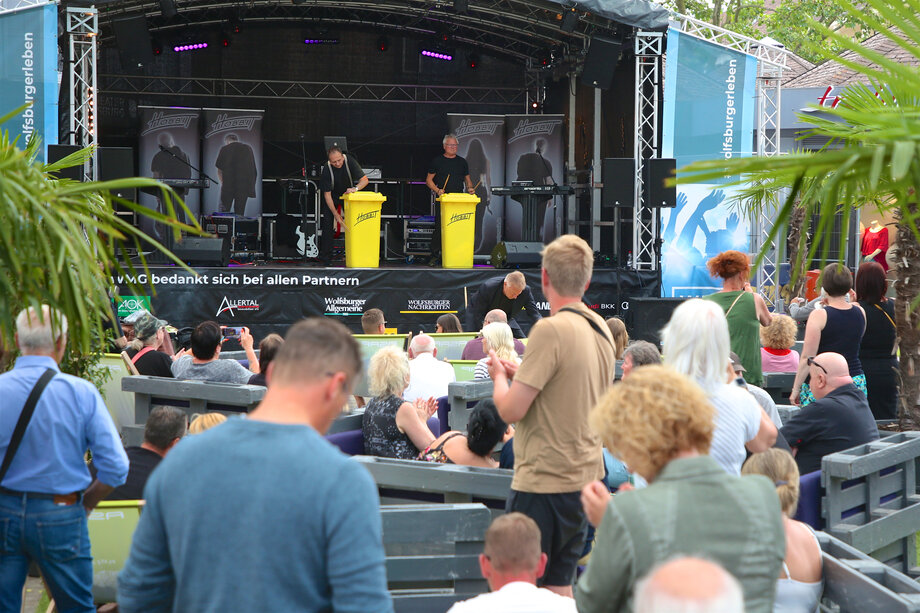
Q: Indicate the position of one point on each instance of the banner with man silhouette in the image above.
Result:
(168, 147)
(709, 111)
(534, 152)
(482, 144)
(233, 156)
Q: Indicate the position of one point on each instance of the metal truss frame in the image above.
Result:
(82, 33)
(9, 6)
(312, 90)
(649, 47)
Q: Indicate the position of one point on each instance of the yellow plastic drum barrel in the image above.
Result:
(362, 232)
(458, 229)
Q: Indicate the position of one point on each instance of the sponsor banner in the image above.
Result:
(708, 113)
(534, 152)
(131, 304)
(232, 154)
(168, 145)
(271, 299)
(482, 144)
(28, 73)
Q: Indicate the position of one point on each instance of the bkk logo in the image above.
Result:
(241, 305)
(459, 217)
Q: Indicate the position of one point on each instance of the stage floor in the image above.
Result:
(269, 298)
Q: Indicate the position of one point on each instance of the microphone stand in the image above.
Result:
(200, 172)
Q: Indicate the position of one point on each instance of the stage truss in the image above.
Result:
(82, 33)
(647, 144)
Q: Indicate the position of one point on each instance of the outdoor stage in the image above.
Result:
(270, 298)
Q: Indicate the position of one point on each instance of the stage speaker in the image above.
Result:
(199, 251)
(654, 173)
(647, 316)
(117, 163)
(517, 255)
(59, 152)
(619, 177)
(133, 40)
(601, 61)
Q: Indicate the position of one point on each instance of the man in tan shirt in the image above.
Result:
(567, 367)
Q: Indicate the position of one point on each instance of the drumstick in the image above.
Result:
(477, 184)
(445, 183)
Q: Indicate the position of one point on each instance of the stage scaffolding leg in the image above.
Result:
(82, 31)
(766, 276)
(647, 144)
(596, 173)
(571, 211)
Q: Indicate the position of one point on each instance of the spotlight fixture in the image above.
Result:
(569, 20)
(473, 60)
(321, 41)
(383, 44)
(190, 47)
(157, 48)
(225, 39)
(438, 55)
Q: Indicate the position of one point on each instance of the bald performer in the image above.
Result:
(686, 585)
(509, 294)
(839, 418)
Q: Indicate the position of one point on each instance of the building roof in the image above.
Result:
(795, 67)
(834, 73)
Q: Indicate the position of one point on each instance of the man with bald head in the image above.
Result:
(509, 294)
(473, 349)
(428, 376)
(689, 584)
(839, 418)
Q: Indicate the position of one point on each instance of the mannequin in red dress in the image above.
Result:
(875, 243)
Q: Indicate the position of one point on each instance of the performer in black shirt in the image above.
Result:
(341, 175)
(447, 173)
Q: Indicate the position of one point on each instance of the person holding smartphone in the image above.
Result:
(202, 363)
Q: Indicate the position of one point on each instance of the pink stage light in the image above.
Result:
(190, 47)
(437, 55)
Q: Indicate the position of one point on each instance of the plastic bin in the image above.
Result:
(362, 232)
(458, 229)
(812, 289)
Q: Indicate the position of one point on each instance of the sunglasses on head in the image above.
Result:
(811, 362)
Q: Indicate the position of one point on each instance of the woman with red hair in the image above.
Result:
(744, 309)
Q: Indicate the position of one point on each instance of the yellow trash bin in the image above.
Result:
(362, 231)
(458, 229)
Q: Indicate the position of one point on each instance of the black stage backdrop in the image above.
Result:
(271, 299)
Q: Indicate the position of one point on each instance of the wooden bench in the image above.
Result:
(461, 396)
(779, 385)
(450, 344)
(111, 528)
(409, 480)
(119, 403)
(856, 583)
(371, 344)
(871, 500)
(432, 554)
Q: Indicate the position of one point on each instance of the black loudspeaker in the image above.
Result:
(59, 152)
(619, 177)
(517, 255)
(133, 40)
(601, 62)
(198, 251)
(117, 163)
(647, 316)
(654, 173)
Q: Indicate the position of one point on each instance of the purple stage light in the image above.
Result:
(321, 41)
(437, 55)
(190, 47)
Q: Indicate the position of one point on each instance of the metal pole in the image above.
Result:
(595, 175)
(571, 209)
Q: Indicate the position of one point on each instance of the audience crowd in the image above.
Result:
(706, 473)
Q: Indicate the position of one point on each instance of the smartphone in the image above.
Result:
(231, 332)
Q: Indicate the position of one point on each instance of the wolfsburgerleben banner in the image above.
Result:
(28, 73)
(709, 110)
(482, 144)
(534, 152)
(168, 146)
(233, 155)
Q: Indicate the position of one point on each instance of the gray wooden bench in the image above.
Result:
(460, 396)
(432, 554)
(871, 500)
(856, 583)
(401, 480)
(778, 385)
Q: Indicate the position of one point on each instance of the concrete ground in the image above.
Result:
(33, 593)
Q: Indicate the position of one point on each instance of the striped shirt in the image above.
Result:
(737, 422)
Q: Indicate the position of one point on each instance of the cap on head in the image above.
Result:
(147, 325)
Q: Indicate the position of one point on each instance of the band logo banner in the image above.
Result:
(708, 113)
(28, 73)
(534, 152)
(168, 146)
(482, 143)
(233, 155)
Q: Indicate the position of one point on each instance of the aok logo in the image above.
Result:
(130, 304)
(366, 216)
(459, 217)
(242, 305)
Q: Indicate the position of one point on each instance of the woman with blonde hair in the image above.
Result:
(496, 336)
(661, 424)
(205, 421)
(778, 339)
(620, 336)
(799, 586)
(392, 427)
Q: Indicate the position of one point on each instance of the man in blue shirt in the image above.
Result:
(41, 517)
(262, 514)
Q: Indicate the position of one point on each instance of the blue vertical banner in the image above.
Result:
(709, 108)
(28, 72)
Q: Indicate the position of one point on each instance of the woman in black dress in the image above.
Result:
(878, 351)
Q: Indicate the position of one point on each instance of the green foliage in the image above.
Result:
(59, 240)
(792, 23)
